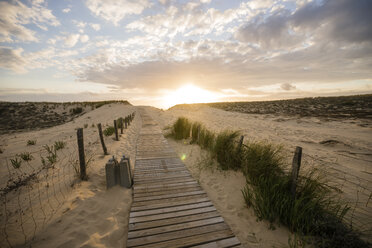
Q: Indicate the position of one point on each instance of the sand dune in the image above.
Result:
(88, 215)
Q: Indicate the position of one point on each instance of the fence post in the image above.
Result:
(101, 138)
(126, 122)
(198, 141)
(296, 163)
(80, 140)
(241, 142)
(121, 125)
(116, 131)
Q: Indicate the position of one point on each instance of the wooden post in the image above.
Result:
(126, 122)
(101, 138)
(241, 142)
(80, 140)
(198, 141)
(296, 163)
(121, 125)
(116, 130)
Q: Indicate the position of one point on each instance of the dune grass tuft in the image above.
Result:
(181, 129)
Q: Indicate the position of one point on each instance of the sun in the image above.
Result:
(188, 93)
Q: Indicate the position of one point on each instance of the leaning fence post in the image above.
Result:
(121, 125)
(80, 140)
(101, 138)
(116, 130)
(296, 163)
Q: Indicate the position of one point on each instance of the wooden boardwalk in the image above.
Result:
(169, 207)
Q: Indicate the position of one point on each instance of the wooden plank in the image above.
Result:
(152, 239)
(170, 200)
(170, 209)
(171, 215)
(156, 187)
(163, 178)
(165, 204)
(229, 242)
(175, 195)
(168, 174)
(190, 240)
(172, 221)
(150, 183)
(168, 191)
(175, 227)
(168, 187)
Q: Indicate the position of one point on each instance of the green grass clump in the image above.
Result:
(58, 145)
(206, 139)
(110, 130)
(120, 122)
(181, 129)
(26, 156)
(196, 127)
(31, 142)
(225, 150)
(16, 162)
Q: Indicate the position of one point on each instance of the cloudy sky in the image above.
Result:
(164, 52)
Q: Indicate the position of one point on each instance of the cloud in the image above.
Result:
(12, 59)
(287, 87)
(66, 10)
(84, 38)
(115, 10)
(14, 15)
(95, 26)
(71, 40)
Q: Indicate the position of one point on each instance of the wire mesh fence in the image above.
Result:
(35, 184)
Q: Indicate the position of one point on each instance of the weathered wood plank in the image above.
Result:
(166, 204)
(172, 221)
(190, 240)
(156, 187)
(175, 227)
(171, 215)
(168, 191)
(169, 196)
(176, 234)
(170, 209)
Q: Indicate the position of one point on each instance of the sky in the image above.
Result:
(165, 52)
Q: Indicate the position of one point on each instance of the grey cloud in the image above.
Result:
(328, 21)
(287, 87)
(12, 59)
(343, 20)
(269, 32)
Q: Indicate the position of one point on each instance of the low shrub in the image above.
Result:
(76, 110)
(110, 130)
(31, 142)
(26, 156)
(58, 145)
(16, 162)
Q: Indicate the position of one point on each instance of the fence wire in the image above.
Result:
(33, 187)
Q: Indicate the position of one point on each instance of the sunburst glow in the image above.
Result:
(188, 93)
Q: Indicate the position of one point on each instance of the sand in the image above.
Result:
(90, 216)
(341, 148)
(85, 215)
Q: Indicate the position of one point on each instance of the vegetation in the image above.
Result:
(181, 129)
(26, 156)
(31, 142)
(16, 162)
(85, 125)
(51, 157)
(77, 110)
(58, 145)
(315, 210)
(110, 130)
